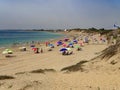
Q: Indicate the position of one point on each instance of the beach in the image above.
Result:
(50, 74)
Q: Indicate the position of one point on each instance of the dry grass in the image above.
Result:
(113, 62)
(76, 67)
(31, 86)
(42, 71)
(26, 87)
(4, 77)
(111, 51)
(20, 73)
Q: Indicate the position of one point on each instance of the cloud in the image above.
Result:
(55, 14)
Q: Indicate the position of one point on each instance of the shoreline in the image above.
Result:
(26, 43)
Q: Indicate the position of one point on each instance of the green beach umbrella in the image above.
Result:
(68, 49)
(7, 51)
(77, 46)
(4, 52)
(10, 52)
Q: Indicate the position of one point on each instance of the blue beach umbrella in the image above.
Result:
(70, 44)
(63, 49)
(75, 41)
(51, 45)
(32, 46)
(59, 43)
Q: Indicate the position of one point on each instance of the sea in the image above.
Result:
(16, 37)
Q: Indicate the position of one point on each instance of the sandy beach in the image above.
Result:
(95, 74)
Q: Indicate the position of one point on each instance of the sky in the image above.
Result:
(59, 14)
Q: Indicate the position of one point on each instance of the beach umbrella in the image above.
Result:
(51, 45)
(66, 39)
(70, 44)
(68, 49)
(34, 49)
(75, 41)
(77, 46)
(64, 45)
(4, 52)
(63, 49)
(10, 52)
(59, 43)
(32, 46)
(7, 51)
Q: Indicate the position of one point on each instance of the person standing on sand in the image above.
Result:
(108, 39)
(46, 43)
(86, 40)
(41, 51)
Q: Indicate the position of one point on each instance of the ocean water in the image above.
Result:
(10, 37)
